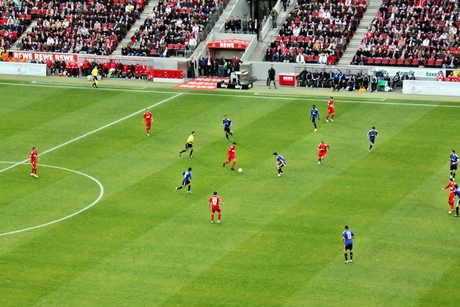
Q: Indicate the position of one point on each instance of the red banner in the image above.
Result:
(229, 44)
(45, 56)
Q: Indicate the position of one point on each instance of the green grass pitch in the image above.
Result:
(116, 233)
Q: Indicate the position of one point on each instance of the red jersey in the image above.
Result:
(330, 104)
(231, 151)
(215, 201)
(148, 117)
(33, 156)
(323, 148)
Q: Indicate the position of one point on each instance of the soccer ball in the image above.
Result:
(240, 170)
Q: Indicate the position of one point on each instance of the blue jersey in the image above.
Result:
(227, 122)
(337, 75)
(314, 114)
(372, 134)
(348, 236)
(187, 176)
(280, 159)
(457, 192)
(454, 159)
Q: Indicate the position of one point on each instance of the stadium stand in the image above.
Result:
(173, 27)
(412, 33)
(15, 17)
(316, 31)
(88, 27)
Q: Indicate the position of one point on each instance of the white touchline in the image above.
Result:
(381, 101)
(101, 193)
(94, 131)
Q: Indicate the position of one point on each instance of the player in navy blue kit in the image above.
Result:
(227, 123)
(347, 241)
(457, 192)
(372, 135)
(314, 116)
(453, 159)
(280, 163)
(186, 180)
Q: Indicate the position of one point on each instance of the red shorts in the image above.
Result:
(451, 200)
(330, 110)
(322, 154)
(231, 157)
(34, 163)
(215, 208)
(148, 124)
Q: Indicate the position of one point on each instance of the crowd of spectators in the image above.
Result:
(172, 27)
(88, 27)
(412, 32)
(319, 29)
(15, 17)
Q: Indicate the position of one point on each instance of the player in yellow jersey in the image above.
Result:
(189, 144)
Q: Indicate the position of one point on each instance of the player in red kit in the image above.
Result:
(231, 156)
(148, 119)
(451, 199)
(330, 110)
(322, 151)
(215, 201)
(33, 160)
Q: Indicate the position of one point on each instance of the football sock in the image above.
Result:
(456, 210)
(189, 187)
(191, 151)
(179, 187)
(314, 124)
(182, 151)
(233, 164)
(351, 255)
(453, 175)
(226, 136)
(231, 133)
(346, 256)
(219, 216)
(212, 217)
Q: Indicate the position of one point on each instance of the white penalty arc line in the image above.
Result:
(101, 193)
(94, 131)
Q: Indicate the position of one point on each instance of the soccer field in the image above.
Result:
(104, 226)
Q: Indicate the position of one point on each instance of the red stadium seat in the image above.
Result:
(392, 61)
(385, 61)
(378, 61)
(430, 63)
(415, 62)
(370, 61)
(400, 62)
(438, 63)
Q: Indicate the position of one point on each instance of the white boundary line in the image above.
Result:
(94, 131)
(101, 193)
(378, 101)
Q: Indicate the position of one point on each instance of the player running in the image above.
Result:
(33, 160)
(314, 116)
(148, 119)
(322, 151)
(330, 110)
(372, 135)
(216, 201)
(189, 144)
(227, 123)
(453, 159)
(186, 180)
(451, 199)
(280, 163)
(231, 156)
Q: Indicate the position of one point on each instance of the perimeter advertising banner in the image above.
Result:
(22, 69)
(45, 56)
(415, 87)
